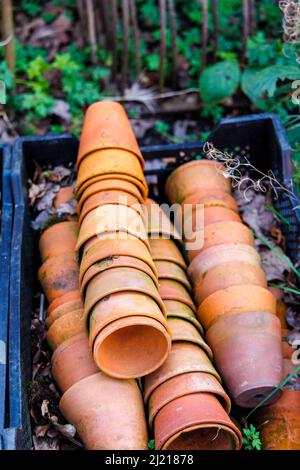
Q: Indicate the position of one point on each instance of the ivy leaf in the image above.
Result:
(219, 81)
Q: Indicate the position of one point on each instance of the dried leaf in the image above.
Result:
(293, 318)
(62, 110)
(42, 443)
(44, 408)
(46, 201)
(40, 431)
(40, 221)
(274, 267)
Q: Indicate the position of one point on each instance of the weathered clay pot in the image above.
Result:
(278, 423)
(63, 196)
(58, 239)
(107, 413)
(70, 324)
(106, 249)
(185, 384)
(188, 178)
(172, 271)
(116, 262)
(122, 305)
(220, 233)
(69, 297)
(110, 162)
(195, 422)
(111, 218)
(182, 330)
(106, 126)
(173, 290)
(166, 250)
(159, 224)
(226, 275)
(201, 217)
(183, 358)
(252, 342)
(120, 280)
(212, 198)
(234, 300)
(72, 361)
(61, 310)
(219, 254)
(131, 347)
(177, 309)
(122, 177)
(59, 275)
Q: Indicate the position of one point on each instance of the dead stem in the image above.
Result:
(163, 44)
(173, 26)
(136, 37)
(125, 52)
(204, 35)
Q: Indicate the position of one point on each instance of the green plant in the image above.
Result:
(251, 439)
(151, 444)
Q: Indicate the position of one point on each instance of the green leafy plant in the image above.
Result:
(151, 444)
(219, 81)
(251, 438)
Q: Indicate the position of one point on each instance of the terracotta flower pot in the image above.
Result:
(106, 249)
(183, 357)
(63, 196)
(120, 280)
(110, 197)
(195, 422)
(111, 218)
(72, 361)
(69, 297)
(58, 239)
(252, 342)
(172, 271)
(110, 162)
(182, 330)
(122, 305)
(131, 347)
(70, 324)
(165, 250)
(107, 413)
(59, 275)
(279, 423)
(222, 233)
(220, 254)
(116, 262)
(61, 310)
(226, 275)
(106, 126)
(188, 178)
(173, 290)
(212, 198)
(159, 224)
(234, 300)
(182, 385)
(198, 217)
(177, 309)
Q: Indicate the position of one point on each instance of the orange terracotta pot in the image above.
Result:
(116, 262)
(110, 197)
(58, 239)
(63, 196)
(70, 296)
(219, 254)
(117, 236)
(182, 385)
(279, 423)
(183, 357)
(233, 300)
(61, 310)
(71, 324)
(120, 280)
(193, 219)
(166, 250)
(252, 342)
(122, 305)
(182, 330)
(106, 249)
(212, 198)
(72, 361)
(107, 413)
(111, 218)
(110, 162)
(159, 224)
(106, 126)
(226, 275)
(177, 309)
(59, 275)
(172, 271)
(195, 422)
(221, 233)
(173, 290)
(131, 347)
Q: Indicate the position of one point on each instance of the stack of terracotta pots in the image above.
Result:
(188, 408)
(123, 311)
(235, 307)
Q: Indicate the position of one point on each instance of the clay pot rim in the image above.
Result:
(111, 147)
(198, 342)
(79, 190)
(66, 344)
(186, 301)
(49, 320)
(171, 277)
(57, 302)
(192, 320)
(155, 324)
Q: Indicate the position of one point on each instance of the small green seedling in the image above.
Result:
(251, 440)
(151, 444)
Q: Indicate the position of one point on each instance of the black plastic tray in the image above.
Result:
(261, 136)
